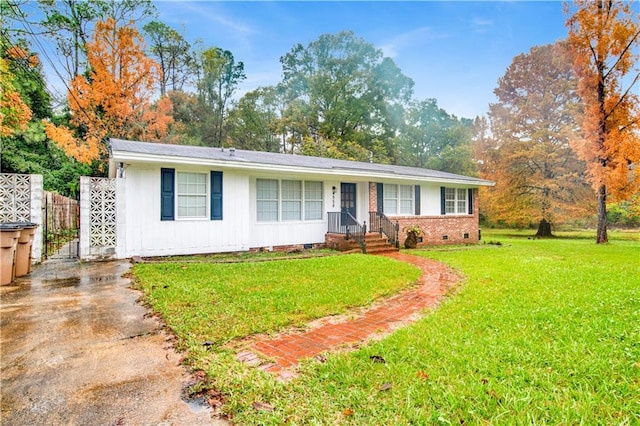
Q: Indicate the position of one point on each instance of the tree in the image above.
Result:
(113, 98)
(347, 92)
(14, 111)
(173, 54)
(218, 78)
(70, 23)
(24, 102)
(432, 138)
(538, 177)
(604, 36)
(253, 123)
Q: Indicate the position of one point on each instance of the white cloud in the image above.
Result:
(407, 40)
(481, 25)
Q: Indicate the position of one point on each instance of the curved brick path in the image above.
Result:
(286, 350)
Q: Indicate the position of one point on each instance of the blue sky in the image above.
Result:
(455, 51)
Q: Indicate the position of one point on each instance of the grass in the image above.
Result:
(541, 332)
(220, 302)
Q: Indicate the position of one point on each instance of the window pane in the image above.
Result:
(462, 201)
(406, 191)
(313, 210)
(390, 202)
(390, 191)
(267, 211)
(450, 194)
(267, 200)
(291, 190)
(192, 194)
(406, 207)
(291, 210)
(313, 200)
(313, 191)
(267, 189)
(406, 199)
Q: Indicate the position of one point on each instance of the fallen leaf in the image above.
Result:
(484, 381)
(263, 406)
(422, 375)
(386, 386)
(207, 344)
(184, 266)
(377, 358)
(348, 412)
(320, 358)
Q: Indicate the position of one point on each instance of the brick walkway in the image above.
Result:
(288, 349)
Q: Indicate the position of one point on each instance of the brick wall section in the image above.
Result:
(434, 228)
(373, 197)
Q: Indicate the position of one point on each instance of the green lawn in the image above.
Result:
(208, 302)
(540, 332)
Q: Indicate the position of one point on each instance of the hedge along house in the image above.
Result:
(186, 200)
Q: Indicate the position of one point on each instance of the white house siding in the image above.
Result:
(239, 230)
(147, 235)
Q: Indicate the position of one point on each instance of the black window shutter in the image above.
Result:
(380, 197)
(443, 205)
(416, 201)
(470, 191)
(216, 195)
(167, 194)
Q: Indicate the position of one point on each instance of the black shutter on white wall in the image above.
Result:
(167, 194)
(443, 205)
(216, 195)
(417, 200)
(470, 190)
(380, 197)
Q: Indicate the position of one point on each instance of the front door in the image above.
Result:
(347, 202)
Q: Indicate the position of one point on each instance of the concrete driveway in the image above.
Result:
(76, 348)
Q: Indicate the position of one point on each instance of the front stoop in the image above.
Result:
(375, 244)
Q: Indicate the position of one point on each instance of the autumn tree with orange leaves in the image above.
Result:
(605, 37)
(538, 177)
(113, 99)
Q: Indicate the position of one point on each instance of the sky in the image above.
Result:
(454, 51)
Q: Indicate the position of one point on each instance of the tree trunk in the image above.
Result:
(601, 236)
(544, 229)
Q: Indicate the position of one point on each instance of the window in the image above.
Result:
(288, 200)
(267, 200)
(190, 189)
(312, 200)
(398, 199)
(455, 200)
(192, 194)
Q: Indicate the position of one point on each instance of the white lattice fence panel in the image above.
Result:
(15, 198)
(102, 212)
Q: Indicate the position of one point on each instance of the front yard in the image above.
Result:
(541, 331)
